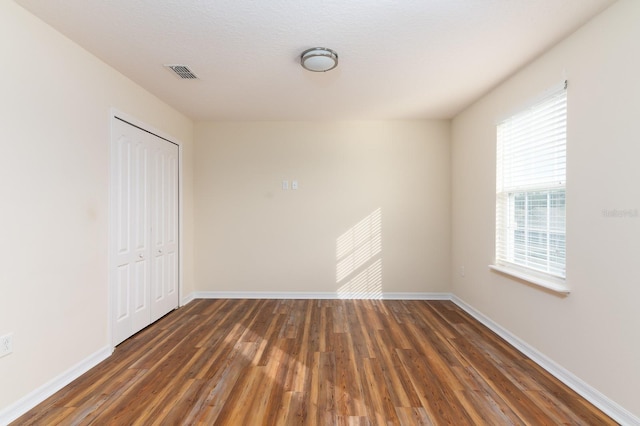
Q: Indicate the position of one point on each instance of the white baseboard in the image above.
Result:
(35, 397)
(310, 295)
(609, 407)
(416, 296)
(188, 299)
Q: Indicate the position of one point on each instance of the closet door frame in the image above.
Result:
(121, 116)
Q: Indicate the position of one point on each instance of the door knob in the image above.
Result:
(141, 255)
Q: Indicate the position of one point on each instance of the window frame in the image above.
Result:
(520, 175)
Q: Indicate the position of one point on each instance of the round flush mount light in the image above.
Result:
(319, 59)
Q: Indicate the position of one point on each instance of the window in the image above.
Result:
(530, 189)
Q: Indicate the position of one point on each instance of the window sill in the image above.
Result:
(540, 282)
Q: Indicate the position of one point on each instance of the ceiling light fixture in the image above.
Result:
(319, 59)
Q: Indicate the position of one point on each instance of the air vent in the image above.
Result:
(182, 71)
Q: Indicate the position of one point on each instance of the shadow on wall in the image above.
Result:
(359, 259)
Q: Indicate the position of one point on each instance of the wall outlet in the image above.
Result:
(6, 344)
(461, 271)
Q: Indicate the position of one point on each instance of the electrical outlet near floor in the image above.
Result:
(6, 344)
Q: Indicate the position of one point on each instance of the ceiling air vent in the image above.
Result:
(182, 71)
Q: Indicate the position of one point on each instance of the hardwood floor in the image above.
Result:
(316, 362)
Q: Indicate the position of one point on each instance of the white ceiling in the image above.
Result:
(398, 59)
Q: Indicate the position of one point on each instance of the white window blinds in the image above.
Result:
(530, 186)
(532, 145)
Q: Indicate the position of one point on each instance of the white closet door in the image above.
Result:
(144, 229)
(131, 219)
(164, 289)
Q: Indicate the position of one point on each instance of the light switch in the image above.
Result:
(294, 184)
(285, 185)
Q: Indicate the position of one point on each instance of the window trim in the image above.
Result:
(557, 286)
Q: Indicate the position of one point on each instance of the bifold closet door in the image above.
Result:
(164, 225)
(144, 229)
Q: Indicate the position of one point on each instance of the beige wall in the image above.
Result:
(55, 102)
(593, 332)
(254, 237)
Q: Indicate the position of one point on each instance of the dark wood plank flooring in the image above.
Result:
(316, 362)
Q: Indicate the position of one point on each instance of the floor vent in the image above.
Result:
(182, 71)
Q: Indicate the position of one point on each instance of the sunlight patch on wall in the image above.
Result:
(365, 285)
(359, 260)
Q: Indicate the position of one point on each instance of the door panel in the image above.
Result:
(129, 183)
(158, 285)
(140, 229)
(122, 181)
(122, 293)
(164, 294)
(140, 302)
(126, 181)
(172, 274)
(144, 212)
(141, 197)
